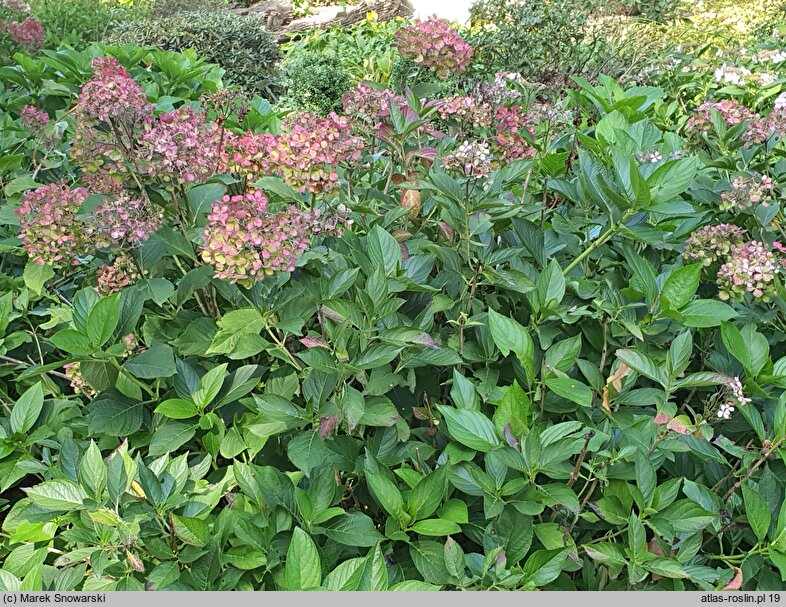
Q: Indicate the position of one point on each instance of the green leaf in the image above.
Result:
(436, 527)
(544, 566)
(170, 437)
(232, 327)
(114, 414)
(572, 389)
(736, 345)
(302, 569)
(757, 510)
(157, 361)
(210, 385)
(177, 408)
(427, 495)
(705, 313)
(57, 495)
(470, 428)
(668, 568)
(373, 572)
(414, 586)
(102, 320)
(192, 531)
(27, 409)
(383, 250)
(35, 276)
(681, 286)
(551, 286)
(92, 470)
(642, 365)
(510, 336)
(73, 342)
(353, 529)
(386, 493)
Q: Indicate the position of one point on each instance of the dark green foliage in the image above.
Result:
(247, 52)
(317, 82)
(549, 41)
(77, 23)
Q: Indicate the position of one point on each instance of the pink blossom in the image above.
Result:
(180, 147)
(751, 268)
(514, 133)
(712, 244)
(50, 232)
(246, 242)
(33, 118)
(28, 34)
(436, 45)
(306, 155)
(113, 277)
(122, 222)
(113, 94)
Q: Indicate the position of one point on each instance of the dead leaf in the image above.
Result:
(616, 378)
(605, 399)
(736, 582)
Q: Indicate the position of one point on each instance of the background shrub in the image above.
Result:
(551, 40)
(365, 50)
(77, 23)
(247, 52)
(317, 82)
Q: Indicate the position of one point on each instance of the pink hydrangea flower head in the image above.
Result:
(471, 158)
(180, 147)
(29, 34)
(712, 244)
(122, 272)
(122, 222)
(747, 193)
(34, 119)
(49, 231)
(466, 110)
(752, 269)
(245, 242)
(733, 113)
(113, 94)
(436, 45)
(512, 124)
(306, 155)
(370, 105)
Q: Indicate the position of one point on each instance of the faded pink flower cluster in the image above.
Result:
(306, 155)
(34, 119)
(180, 147)
(29, 34)
(50, 233)
(78, 383)
(120, 273)
(113, 94)
(746, 193)
(122, 221)
(369, 104)
(732, 112)
(750, 268)
(466, 110)
(712, 244)
(512, 124)
(500, 91)
(245, 242)
(471, 158)
(436, 45)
